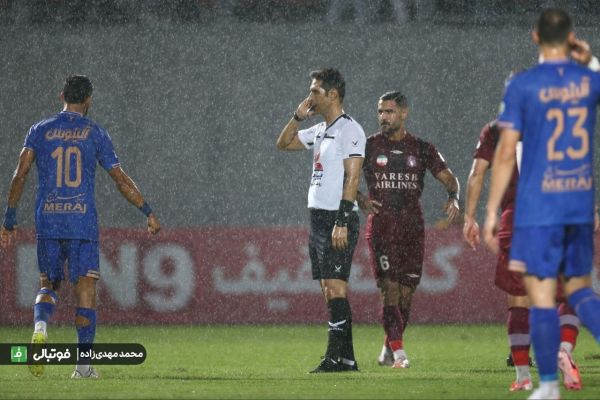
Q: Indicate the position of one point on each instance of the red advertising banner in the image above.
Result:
(247, 275)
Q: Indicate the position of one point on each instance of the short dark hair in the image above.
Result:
(397, 96)
(77, 88)
(331, 78)
(553, 26)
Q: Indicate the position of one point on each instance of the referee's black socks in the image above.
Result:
(348, 352)
(339, 344)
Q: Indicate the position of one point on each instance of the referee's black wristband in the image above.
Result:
(145, 208)
(297, 117)
(343, 213)
(453, 196)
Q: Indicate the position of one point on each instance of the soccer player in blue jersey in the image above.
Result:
(66, 148)
(552, 109)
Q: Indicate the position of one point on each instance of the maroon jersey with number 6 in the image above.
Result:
(394, 172)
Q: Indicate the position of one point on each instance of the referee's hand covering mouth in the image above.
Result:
(305, 109)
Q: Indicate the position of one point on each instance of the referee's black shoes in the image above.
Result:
(330, 365)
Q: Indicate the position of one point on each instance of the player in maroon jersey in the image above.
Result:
(512, 282)
(394, 167)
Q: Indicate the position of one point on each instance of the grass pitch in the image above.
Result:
(271, 362)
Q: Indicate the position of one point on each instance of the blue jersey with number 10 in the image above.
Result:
(67, 148)
(553, 106)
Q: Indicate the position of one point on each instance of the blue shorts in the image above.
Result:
(547, 251)
(82, 257)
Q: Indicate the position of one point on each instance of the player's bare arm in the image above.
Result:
(130, 191)
(8, 231)
(367, 205)
(352, 169)
(504, 163)
(288, 138)
(474, 187)
(450, 182)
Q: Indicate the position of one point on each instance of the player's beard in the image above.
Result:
(389, 129)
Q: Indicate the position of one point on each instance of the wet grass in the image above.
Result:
(271, 362)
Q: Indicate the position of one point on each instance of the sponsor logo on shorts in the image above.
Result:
(335, 326)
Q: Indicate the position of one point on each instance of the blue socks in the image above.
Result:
(42, 311)
(545, 337)
(86, 334)
(587, 306)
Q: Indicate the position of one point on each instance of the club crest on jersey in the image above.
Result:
(411, 161)
(382, 160)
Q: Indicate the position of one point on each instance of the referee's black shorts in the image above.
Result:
(328, 263)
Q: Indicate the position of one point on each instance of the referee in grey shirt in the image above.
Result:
(338, 146)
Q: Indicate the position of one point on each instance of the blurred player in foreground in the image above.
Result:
(338, 146)
(512, 282)
(551, 108)
(66, 148)
(394, 168)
